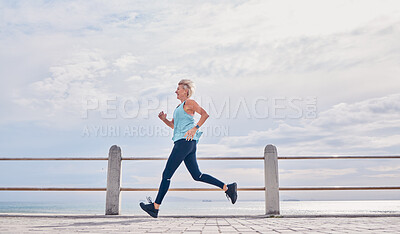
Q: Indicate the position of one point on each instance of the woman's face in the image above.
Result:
(181, 93)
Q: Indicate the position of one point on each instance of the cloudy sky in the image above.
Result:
(310, 77)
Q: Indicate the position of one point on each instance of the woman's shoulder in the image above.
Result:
(190, 101)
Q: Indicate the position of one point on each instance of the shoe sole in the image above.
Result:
(142, 205)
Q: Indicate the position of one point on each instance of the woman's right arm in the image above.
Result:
(163, 117)
(169, 123)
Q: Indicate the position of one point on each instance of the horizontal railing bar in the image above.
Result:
(210, 158)
(199, 158)
(51, 189)
(137, 158)
(43, 159)
(198, 189)
(122, 189)
(340, 188)
(337, 157)
(192, 189)
(262, 158)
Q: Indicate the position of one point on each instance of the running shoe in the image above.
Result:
(231, 193)
(149, 208)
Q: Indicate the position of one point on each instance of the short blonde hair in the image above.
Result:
(188, 85)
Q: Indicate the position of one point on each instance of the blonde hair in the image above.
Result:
(188, 85)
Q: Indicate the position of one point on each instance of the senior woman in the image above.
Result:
(186, 135)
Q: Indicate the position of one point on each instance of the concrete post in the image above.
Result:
(271, 180)
(113, 198)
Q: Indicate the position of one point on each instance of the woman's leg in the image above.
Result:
(180, 150)
(193, 167)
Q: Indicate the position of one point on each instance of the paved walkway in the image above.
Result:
(28, 223)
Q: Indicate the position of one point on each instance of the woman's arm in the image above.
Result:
(163, 117)
(197, 108)
(194, 106)
(169, 123)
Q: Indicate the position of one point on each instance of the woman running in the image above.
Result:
(186, 136)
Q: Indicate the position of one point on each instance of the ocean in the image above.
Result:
(208, 207)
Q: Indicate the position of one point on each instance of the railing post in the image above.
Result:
(113, 198)
(271, 180)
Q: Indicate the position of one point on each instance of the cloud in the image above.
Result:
(125, 61)
(134, 78)
(346, 128)
(61, 95)
(144, 181)
(397, 175)
(321, 173)
(270, 43)
(384, 168)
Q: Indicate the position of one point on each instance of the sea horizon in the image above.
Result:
(211, 207)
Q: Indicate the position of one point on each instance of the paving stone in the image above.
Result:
(25, 223)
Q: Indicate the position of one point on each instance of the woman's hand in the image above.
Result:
(190, 134)
(162, 116)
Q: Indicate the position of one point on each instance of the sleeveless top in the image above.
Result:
(183, 122)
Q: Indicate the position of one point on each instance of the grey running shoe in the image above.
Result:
(232, 192)
(149, 208)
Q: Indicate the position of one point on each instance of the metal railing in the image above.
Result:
(271, 188)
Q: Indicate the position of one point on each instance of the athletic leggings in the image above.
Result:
(183, 151)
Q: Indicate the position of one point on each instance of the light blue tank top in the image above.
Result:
(183, 122)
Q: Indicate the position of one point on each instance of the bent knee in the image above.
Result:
(166, 179)
(197, 177)
(166, 176)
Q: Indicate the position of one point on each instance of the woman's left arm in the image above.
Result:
(193, 105)
(197, 108)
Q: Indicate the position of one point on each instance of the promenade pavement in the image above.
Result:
(45, 223)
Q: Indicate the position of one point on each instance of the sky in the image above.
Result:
(310, 77)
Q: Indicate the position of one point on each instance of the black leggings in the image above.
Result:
(183, 151)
